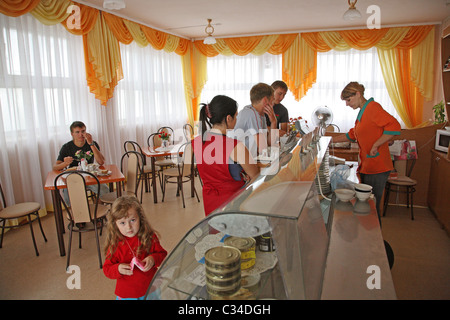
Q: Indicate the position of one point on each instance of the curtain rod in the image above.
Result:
(323, 30)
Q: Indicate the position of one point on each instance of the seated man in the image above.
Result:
(81, 142)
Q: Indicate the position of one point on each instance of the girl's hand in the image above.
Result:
(125, 269)
(149, 262)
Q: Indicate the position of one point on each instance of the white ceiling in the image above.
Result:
(187, 18)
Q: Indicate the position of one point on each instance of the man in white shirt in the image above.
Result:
(251, 127)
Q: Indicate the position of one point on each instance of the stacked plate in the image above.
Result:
(323, 175)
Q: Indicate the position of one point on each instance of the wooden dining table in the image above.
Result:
(153, 154)
(116, 177)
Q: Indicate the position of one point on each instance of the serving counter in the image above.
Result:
(308, 244)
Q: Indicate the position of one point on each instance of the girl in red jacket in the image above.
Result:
(133, 252)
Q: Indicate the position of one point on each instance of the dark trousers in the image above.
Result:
(378, 182)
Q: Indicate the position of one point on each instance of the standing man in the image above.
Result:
(280, 89)
(251, 126)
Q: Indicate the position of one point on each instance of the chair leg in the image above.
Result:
(163, 188)
(3, 231)
(412, 204)
(30, 222)
(180, 186)
(98, 245)
(40, 226)
(70, 246)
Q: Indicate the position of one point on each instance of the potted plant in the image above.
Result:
(439, 114)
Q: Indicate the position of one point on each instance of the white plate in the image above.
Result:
(162, 149)
(104, 174)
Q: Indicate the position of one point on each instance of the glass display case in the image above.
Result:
(280, 214)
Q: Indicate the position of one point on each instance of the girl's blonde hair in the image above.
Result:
(351, 89)
(119, 210)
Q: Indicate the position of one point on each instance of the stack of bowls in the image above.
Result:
(363, 191)
(223, 271)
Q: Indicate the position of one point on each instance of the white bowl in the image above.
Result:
(344, 194)
(363, 195)
(361, 187)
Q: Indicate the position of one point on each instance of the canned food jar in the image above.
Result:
(265, 243)
(223, 258)
(223, 272)
(247, 248)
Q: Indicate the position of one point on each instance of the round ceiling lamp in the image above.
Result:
(352, 13)
(209, 31)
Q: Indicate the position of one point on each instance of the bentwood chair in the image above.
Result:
(153, 142)
(188, 132)
(84, 215)
(402, 184)
(147, 170)
(19, 210)
(132, 167)
(182, 173)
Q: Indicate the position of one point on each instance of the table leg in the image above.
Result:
(58, 222)
(155, 195)
(119, 188)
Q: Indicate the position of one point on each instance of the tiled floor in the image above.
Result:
(420, 271)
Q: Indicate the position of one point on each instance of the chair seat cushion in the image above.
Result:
(19, 210)
(165, 163)
(148, 168)
(109, 197)
(402, 181)
(173, 172)
(102, 210)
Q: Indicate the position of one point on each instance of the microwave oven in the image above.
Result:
(442, 140)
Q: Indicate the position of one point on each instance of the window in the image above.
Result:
(234, 76)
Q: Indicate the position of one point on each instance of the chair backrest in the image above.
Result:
(3, 204)
(187, 160)
(134, 146)
(404, 167)
(188, 132)
(132, 166)
(79, 211)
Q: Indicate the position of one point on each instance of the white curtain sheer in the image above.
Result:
(235, 75)
(43, 90)
(151, 95)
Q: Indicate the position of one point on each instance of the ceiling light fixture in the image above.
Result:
(209, 31)
(352, 13)
(114, 4)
